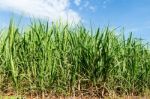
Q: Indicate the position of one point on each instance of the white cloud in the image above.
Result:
(92, 8)
(136, 29)
(77, 2)
(51, 9)
(86, 4)
(104, 3)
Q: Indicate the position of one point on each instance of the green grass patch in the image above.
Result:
(70, 60)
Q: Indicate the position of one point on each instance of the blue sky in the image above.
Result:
(133, 15)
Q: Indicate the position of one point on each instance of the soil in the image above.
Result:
(85, 97)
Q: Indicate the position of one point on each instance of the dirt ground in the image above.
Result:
(85, 97)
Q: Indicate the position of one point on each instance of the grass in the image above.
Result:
(71, 60)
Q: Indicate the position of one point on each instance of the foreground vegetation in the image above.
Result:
(71, 60)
